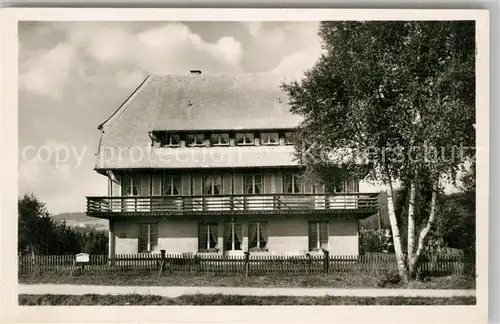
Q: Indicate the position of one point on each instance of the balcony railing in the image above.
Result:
(363, 202)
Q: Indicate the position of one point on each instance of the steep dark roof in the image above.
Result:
(197, 102)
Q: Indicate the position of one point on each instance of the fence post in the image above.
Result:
(162, 261)
(326, 260)
(247, 261)
(309, 262)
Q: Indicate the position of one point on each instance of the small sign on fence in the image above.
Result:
(82, 257)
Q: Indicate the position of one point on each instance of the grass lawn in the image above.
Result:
(72, 300)
(337, 280)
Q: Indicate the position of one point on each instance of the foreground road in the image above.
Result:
(39, 289)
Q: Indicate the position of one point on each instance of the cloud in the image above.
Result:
(168, 48)
(54, 172)
(296, 64)
(93, 50)
(230, 49)
(47, 71)
(129, 80)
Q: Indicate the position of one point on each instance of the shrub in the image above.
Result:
(391, 278)
(371, 240)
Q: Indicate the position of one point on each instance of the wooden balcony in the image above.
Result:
(364, 204)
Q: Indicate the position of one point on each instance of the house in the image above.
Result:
(204, 164)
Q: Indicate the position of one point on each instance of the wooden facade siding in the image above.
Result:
(151, 184)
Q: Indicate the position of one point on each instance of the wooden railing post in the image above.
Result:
(247, 262)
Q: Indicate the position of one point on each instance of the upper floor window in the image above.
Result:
(212, 185)
(292, 183)
(195, 140)
(173, 140)
(172, 185)
(252, 183)
(220, 139)
(288, 138)
(135, 185)
(269, 138)
(245, 139)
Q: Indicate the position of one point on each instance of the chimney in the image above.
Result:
(195, 71)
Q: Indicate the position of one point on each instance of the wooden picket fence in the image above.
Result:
(247, 265)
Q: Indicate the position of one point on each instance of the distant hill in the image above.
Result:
(81, 220)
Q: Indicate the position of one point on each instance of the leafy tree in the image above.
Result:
(390, 102)
(38, 233)
(456, 221)
(34, 225)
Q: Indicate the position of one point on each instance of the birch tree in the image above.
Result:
(389, 102)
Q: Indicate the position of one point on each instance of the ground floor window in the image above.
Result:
(318, 235)
(233, 236)
(207, 237)
(257, 236)
(148, 237)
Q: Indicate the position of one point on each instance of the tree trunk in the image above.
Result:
(396, 237)
(411, 230)
(425, 231)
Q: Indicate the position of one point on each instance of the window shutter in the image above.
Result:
(227, 185)
(238, 183)
(116, 187)
(349, 186)
(268, 179)
(319, 188)
(278, 183)
(308, 187)
(197, 183)
(186, 180)
(156, 185)
(145, 189)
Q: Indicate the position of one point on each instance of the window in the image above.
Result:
(220, 139)
(207, 237)
(148, 237)
(172, 185)
(288, 138)
(195, 140)
(318, 235)
(257, 235)
(173, 140)
(233, 236)
(135, 185)
(269, 138)
(292, 183)
(252, 183)
(212, 185)
(245, 139)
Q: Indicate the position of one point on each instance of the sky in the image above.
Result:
(74, 75)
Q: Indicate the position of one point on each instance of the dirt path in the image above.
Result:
(173, 292)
